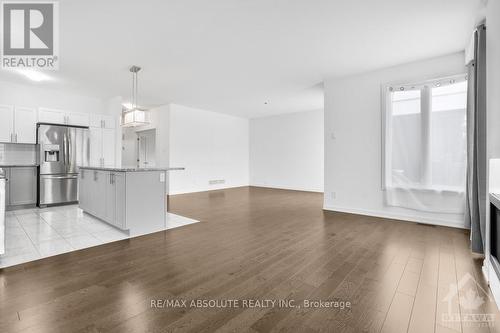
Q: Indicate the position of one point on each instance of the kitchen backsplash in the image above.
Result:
(11, 153)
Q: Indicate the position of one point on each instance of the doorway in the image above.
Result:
(146, 143)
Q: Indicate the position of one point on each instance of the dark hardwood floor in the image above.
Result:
(256, 244)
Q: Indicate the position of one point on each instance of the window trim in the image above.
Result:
(386, 108)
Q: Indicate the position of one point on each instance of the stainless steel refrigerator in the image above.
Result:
(62, 150)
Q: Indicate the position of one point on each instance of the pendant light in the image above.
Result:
(134, 116)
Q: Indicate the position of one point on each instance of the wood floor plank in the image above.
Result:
(398, 317)
(251, 243)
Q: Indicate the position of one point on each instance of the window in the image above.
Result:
(425, 137)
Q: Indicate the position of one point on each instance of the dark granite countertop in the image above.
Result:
(129, 169)
(18, 165)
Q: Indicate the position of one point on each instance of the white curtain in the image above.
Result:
(425, 145)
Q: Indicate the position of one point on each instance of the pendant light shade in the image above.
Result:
(134, 116)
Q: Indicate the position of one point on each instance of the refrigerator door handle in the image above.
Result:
(64, 148)
(61, 177)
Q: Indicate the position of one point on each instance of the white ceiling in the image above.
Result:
(232, 56)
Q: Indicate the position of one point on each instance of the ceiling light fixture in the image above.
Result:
(134, 116)
(128, 105)
(34, 75)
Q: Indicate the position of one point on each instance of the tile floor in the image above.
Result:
(37, 233)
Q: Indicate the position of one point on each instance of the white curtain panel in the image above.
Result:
(425, 145)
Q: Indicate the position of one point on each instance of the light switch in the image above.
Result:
(162, 177)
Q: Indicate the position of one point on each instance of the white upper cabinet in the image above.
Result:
(102, 140)
(77, 119)
(54, 116)
(102, 121)
(25, 124)
(108, 122)
(6, 123)
(17, 124)
(51, 116)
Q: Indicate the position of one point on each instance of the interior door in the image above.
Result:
(147, 148)
(6, 123)
(25, 124)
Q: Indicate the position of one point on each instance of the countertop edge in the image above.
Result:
(129, 169)
(495, 199)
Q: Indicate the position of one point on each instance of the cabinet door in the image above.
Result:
(110, 199)
(108, 146)
(95, 138)
(120, 213)
(51, 116)
(25, 124)
(78, 119)
(82, 189)
(7, 186)
(22, 186)
(6, 123)
(95, 120)
(108, 122)
(97, 193)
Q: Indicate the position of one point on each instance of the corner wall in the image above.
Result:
(213, 147)
(286, 151)
(353, 139)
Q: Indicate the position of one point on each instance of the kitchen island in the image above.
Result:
(131, 199)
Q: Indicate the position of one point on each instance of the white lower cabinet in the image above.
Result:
(83, 192)
(20, 186)
(102, 194)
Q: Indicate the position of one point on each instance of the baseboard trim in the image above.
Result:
(401, 217)
(206, 190)
(303, 189)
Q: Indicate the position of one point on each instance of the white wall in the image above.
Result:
(493, 77)
(211, 146)
(353, 139)
(33, 96)
(286, 151)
